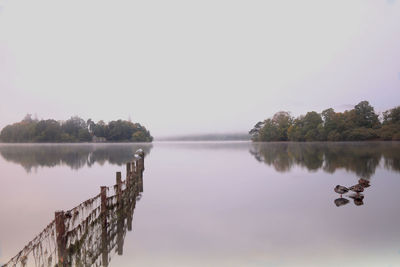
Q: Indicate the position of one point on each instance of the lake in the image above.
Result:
(217, 203)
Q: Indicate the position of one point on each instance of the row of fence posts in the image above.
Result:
(133, 170)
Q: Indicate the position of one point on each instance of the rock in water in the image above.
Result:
(363, 182)
(341, 201)
(357, 196)
(341, 189)
(357, 188)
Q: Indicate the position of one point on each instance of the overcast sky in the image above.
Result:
(182, 67)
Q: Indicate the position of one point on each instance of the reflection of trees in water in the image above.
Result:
(392, 158)
(360, 158)
(273, 154)
(74, 156)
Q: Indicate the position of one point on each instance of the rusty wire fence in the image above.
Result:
(92, 232)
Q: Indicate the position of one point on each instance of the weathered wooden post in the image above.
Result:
(128, 174)
(140, 152)
(119, 188)
(61, 237)
(103, 197)
(103, 210)
(140, 183)
(140, 176)
(139, 163)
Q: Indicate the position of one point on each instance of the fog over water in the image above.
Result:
(183, 67)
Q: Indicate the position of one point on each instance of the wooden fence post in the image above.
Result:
(140, 183)
(139, 164)
(128, 170)
(119, 187)
(103, 210)
(60, 236)
(140, 175)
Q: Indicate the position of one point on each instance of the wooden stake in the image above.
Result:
(119, 187)
(61, 239)
(103, 214)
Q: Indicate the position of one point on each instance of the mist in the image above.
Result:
(184, 67)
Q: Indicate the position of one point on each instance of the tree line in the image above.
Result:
(75, 129)
(358, 124)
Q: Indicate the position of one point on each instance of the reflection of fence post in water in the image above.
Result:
(120, 215)
(119, 187)
(87, 234)
(128, 173)
(140, 177)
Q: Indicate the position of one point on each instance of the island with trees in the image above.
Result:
(73, 130)
(358, 124)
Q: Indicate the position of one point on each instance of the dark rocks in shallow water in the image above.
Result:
(341, 201)
(363, 182)
(357, 188)
(357, 196)
(341, 189)
(358, 202)
(358, 199)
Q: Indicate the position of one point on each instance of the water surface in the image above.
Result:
(218, 204)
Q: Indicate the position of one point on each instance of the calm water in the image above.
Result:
(218, 204)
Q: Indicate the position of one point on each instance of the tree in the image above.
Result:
(73, 126)
(47, 131)
(254, 133)
(273, 129)
(307, 128)
(269, 132)
(365, 115)
(391, 124)
(392, 116)
(283, 120)
(100, 129)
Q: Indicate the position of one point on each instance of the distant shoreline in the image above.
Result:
(207, 137)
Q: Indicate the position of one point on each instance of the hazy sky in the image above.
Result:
(196, 66)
